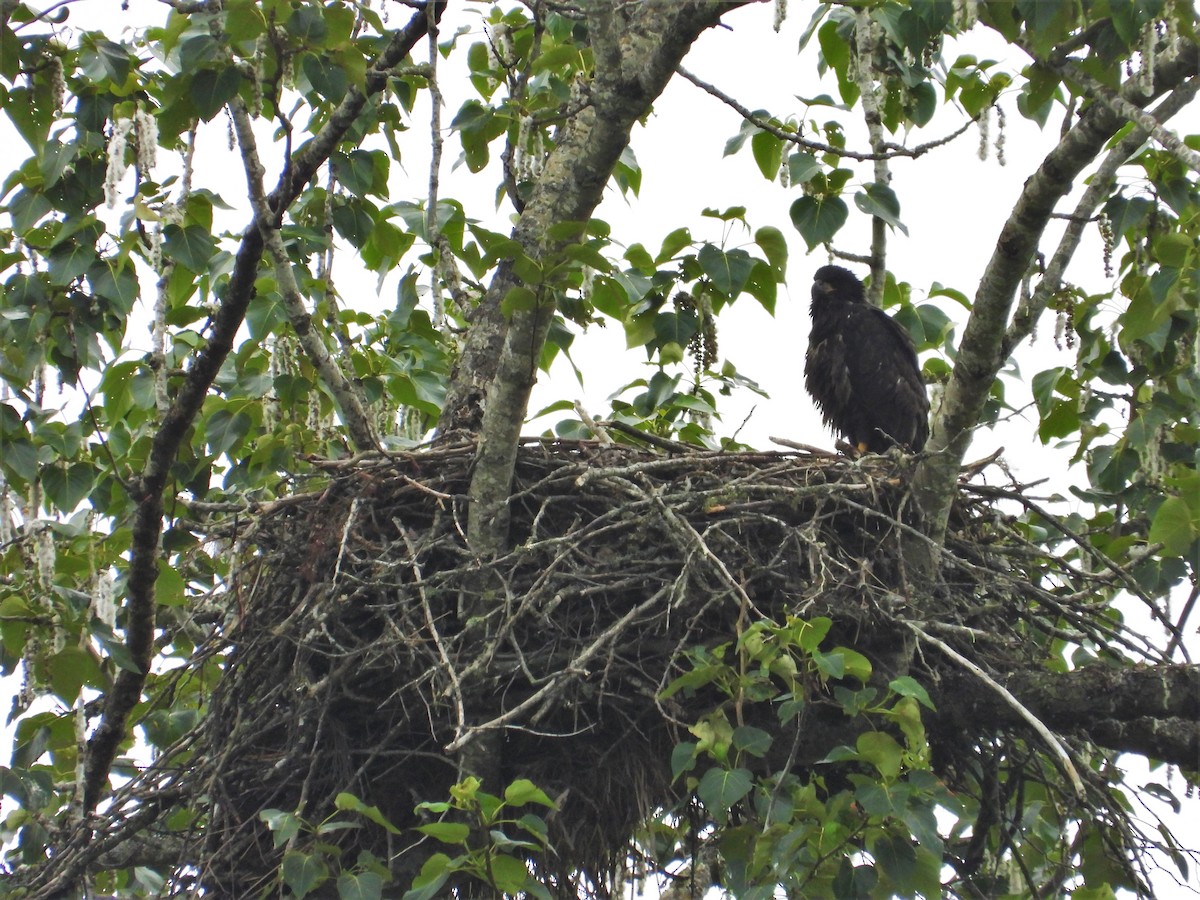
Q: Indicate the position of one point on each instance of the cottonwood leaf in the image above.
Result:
(818, 219)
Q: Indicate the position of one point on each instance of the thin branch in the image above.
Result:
(1027, 314)
(1035, 723)
(892, 150)
(575, 669)
(345, 394)
(148, 490)
(1177, 637)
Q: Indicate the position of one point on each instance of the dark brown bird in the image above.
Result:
(861, 368)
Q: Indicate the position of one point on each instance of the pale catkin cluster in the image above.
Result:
(260, 56)
(44, 553)
(984, 121)
(117, 142)
(1000, 134)
(154, 248)
(58, 81)
(104, 607)
(588, 276)
(146, 143)
(1196, 350)
(784, 173)
(6, 514)
(780, 14)
(528, 152)
(1145, 74)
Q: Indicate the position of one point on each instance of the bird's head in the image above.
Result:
(836, 283)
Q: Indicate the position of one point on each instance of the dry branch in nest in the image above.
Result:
(352, 665)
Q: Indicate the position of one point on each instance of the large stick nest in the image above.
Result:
(373, 653)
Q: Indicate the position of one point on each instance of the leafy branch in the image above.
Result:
(150, 487)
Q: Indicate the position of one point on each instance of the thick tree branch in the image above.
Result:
(637, 50)
(1153, 711)
(1149, 123)
(981, 351)
(866, 38)
(1097, 192)
(147, 522)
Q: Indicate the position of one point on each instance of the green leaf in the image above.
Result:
(283, 825)
(856, 665)
(100, 54)
(32, 113)
(720, 789)
(818, 219)
(517, 298)
(509, 874)
(213, 88)
(70, 669)
(20, 458)
(1173, 527)
(115, 281)
(810, 633)
(802, 167)
(355, 219)
(922, 103)
(192, 246)
(673, 243)
(882, 751)
(762, 285)
(357, 172)
(751, 740)
(360, 886)
(524, 791)
(446, 832)
(307, 24)
(853, 882)
(71, 259)
(434, 872)
(683, 758)
(198, 51)
(303, 872)
(326, 76)
(897, 859)
(66, 487)
(907, 686)
(350, 803)
(880, 201)
(774, 246)
(768, 153)
(727, 271)
(226, 430)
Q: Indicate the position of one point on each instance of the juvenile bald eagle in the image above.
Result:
(861, 368)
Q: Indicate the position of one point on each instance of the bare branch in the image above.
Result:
(892, 150)
(1056, 748)
(345, 394)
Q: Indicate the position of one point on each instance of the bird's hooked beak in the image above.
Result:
(823, 286)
